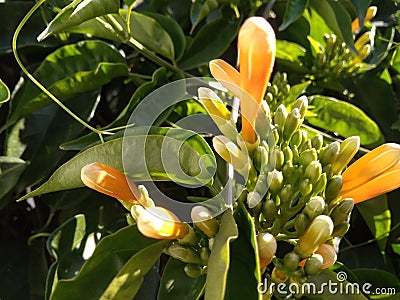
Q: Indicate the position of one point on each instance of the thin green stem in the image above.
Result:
(37, 235)
(36, 82)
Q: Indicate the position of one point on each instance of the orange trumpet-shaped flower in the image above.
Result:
(371, 12)
(375, 173)
(110, 181)
(159, 223)
(257, 47)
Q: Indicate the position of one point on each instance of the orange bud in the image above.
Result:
(328, 254)
(371, 12)
(227, 75)
(257, 47)
(160, 223)
(266, 243)
(110, 181)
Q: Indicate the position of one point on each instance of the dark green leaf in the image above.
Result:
(175, 284)
(66, 72)
(78, 12)
(376, 214)
(109, 256)
(127, 282)
(244, 272)
(209, 43)
(344, 118)
(174, 31)
(378, 279)
(294, 9)
(219, 262)
(191, 147)
(337, 18)
(361, 7)
(11, 168)
(44, 131)
(4, 93)
(200, 10)
(396, 248)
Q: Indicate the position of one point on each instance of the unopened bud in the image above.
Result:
(348, 149)
(184, 254)
(296, 139)
(288, 169)
(301, 223)
(362, 40)
(314, 264)
(342, 211)
(277, 276)
(260, 157)
(261, 185)
(277, 158)
(314, 207)
(320, 185)
(280, 116)
(313, 171)
(341, 229)
(253, 198)
(333, 187)
(307, 157)
(204, 221)
(292, 124)
(204, 255)
(286, 193)
(305, 187)
(316, 234)
(328, 153)
(302, 104)
(363, 53)
(269, 211)
(317, 142)
(291, 261)
(193, 270)
(328, 254)
(275, 180)
(266, 248)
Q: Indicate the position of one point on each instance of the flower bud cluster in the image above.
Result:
(278, 90)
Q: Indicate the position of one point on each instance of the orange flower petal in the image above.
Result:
(371, 12)
(160, 223)
(227, 75)
(386, 182)
(110, 181)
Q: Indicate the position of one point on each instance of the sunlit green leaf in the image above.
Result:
(344, 118)
(4, 93)
(291, 54)
(219, 262)
(199, 10)
(78, 12)
(11, 169)
(294, 9)
(175, 284)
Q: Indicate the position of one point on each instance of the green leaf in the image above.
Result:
(4, 93)
(291, 54)
(244, 272)
(44, 130)
(361, 7)
(127, 282)
(209, 43)
(108, 258)
(337, 18)
(378, 279)
(219, 261)
(175, 284)
(175, 32)
(201, 9)
(193, 153)
(294, 9)
(324, 282)
(11, 169)
(78, 12)
(376, 214)
(151, 34)
(66, 72)
(396, 248)
(344, 118)
(295, 92)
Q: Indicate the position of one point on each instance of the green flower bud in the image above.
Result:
(313, 171)
(287, 153)
(340, 229)
(273, 89)
(348, 149)
(307, 157)
(302, 104)
(317, 142)
(277, 276)
(342, 211)
(193, 270)
(291, 261)
(261, 185)
(266, 248)
(316, 234)
(269, 211)
(292, 124)
(305, 187)
(275, 180)
(320, 185)
(211, 243)
(301, 223)
(184, 254)
(288, 169)
(314, 207)
(362, 54)
(203, 220)
(269, 97)
(328, 171)
(329, 153)
(253, 198)
(204, 255)
(305, 146)
(330, 44)
(260, 157)
(321, 59)
(280, 116)
(333, 187)
(277, 158)
(296, 139)
(314, 264)
(286, 193)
